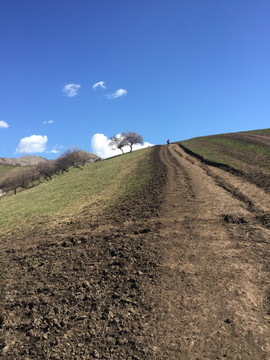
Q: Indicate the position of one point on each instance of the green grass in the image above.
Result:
(240, 145)
(202, 147)
(234, 150)
(65, 197)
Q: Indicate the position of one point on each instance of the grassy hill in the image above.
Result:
(246, 153)
(90, 263)
(65, 198)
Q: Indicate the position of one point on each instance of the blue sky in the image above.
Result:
(166, 69)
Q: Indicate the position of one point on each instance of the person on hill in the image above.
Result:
(168, 141)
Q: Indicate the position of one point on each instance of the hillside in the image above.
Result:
(158, 254)
(244, 153)
(65, 197)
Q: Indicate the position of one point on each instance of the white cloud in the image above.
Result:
(101, 146)
(117, 94)
(32, 144)
(49, 122)
(101, 84)
(56, 149)
(3, 124)
(71, 90)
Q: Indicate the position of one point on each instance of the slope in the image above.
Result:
(245, 153)
(77, 290)
(177, 269)
(65, 198)
(213, 294)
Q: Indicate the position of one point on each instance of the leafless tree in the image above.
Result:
(132, 138)
(6, 184)
(70, 158)
(118, 142)
(20, 178)
(26, 177)
(62, 163)
(77, 157)
(46, 169)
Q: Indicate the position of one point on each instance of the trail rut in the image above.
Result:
(179, 271)
(215, 275)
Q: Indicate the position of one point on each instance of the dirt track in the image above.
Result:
(181, 272)
(215, 274)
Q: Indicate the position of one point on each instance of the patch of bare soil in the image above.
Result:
(214, 279)
(83, 293)
(180, 271)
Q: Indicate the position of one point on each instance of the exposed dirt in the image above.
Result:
(180, 271)
(214, 281)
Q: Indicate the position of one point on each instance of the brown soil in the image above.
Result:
(180, 271)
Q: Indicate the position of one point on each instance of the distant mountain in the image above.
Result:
(26, 160)
(29, 160)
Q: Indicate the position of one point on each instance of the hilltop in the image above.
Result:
(158, 254)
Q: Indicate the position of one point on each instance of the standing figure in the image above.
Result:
(168, 141)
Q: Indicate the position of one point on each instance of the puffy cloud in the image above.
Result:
(101, 146)
(99, 84)
(32, 144)
(71, 90)
(49, 122)
(3, 124)
(117, 94)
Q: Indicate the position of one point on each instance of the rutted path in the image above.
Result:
(177, 272)
(215, 275)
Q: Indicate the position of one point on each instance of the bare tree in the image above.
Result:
(24, 178)
(70, 158)
(77, 157)
(46, 169)
(62, 163)
(7, 184)
(20, 178)
(118, 142)
(132, 138)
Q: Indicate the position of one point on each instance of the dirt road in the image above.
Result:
(214, 281)
(179, 272)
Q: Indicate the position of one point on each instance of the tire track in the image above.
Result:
(256, 199)
(213, 286)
